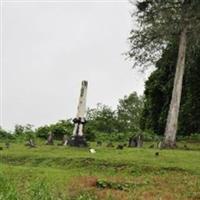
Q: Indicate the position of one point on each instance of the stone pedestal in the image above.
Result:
(78, 141)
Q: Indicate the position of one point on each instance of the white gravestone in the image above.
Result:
(78, 135)
(81, 112)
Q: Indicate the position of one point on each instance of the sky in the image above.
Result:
(49, 47)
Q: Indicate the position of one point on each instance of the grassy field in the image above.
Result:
(65, 173)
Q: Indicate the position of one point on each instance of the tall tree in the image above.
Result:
(129, 112)
(158, 89)
(102, 119)
(160, 23)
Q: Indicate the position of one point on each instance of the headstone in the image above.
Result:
(7, 145)
(120, 146)
(50, 139)
(30, 143)
(99, 143)
(78, 138)
(65, 140)
(110, 144)
(151, 146)
(136, 141)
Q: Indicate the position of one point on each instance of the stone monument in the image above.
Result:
(78, 138)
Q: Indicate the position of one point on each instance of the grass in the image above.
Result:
(64, 173)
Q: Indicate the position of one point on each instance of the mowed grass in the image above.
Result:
(56, 172)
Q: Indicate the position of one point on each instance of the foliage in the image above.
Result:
(5, 134)
(157, 95)
(22, 130)
(42, 131)
(102, 119)
(129, 113)
(158, 24)
(115, 125)
(59, 129)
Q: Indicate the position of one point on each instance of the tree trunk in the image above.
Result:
(172, 118)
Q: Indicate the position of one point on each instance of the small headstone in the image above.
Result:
(151, 146)
(30, 143)
(65, 140)
(7, 145)
(159, 144)
(110, 144)
(186, 147)
(50, 139)
(99, 143)
(120, 146)
(136, 141)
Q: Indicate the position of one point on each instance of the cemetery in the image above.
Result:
(133, 167)
(134, 134)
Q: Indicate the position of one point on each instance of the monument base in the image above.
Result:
(78, 141)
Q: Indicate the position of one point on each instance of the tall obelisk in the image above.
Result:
(78, 138)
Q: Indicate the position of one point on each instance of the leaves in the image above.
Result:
(158, 24)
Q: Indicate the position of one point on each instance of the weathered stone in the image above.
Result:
(65, 140)
(30, 143)
(50, 139)
(7, 145)
(78, 138)
(136, 141)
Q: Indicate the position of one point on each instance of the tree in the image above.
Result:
(160, 23)
(101, 119)
(157, 95)
(129, 113)
(4, 134)
(19, 129)
(59, 129)
(157, 92)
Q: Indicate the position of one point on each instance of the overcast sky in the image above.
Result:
(50, 47)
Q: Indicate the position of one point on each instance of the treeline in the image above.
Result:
(103, 123)
(157, 94)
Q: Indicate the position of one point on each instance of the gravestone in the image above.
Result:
(78, 138)
(120, 146)
(110, 144)
(7, 145)
(50, 139)
(99, 143)
(136, 140)
(30, 143)
(65, 140)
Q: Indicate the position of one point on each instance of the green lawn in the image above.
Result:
(55, 172)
